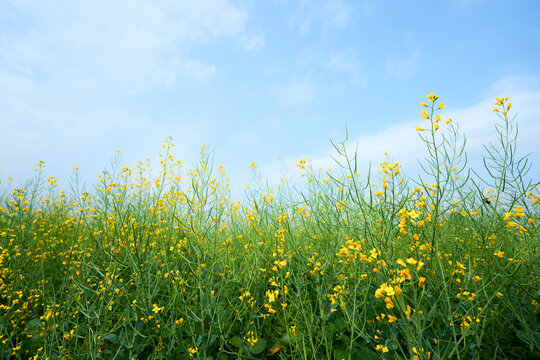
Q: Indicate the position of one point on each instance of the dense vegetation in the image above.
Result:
(350, 266)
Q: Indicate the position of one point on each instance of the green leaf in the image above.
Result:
(171, 346)
(285, 339)
(139, 325)
(31, 325)
(365, 354)
(259, 347)
(111, 338)
(236, 341)
(222, 356)
(34, 329)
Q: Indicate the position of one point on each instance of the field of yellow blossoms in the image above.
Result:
(349, 266)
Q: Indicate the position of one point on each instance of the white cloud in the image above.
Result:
(69, 73)
(295, 93)
(403, 67)
(338, 13)
(252, 42)
(367, 8)
(126, 46)
(328, 14)
(345, 62)
(476, 122)
(245, 138)
(195, 71)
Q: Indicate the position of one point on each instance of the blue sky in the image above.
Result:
(256, 80)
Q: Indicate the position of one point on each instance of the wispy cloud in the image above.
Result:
(345, 62)
(476, 122)
(195, 71)
(327, 14)
(69, 73)
(295, 93)
(338, 12)
(404, 67)
(245, 138)
(252, 41)
(127, 46)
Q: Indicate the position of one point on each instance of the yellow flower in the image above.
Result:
(391, 318)
(423, 104)
(382, 348)
(411, 261)
(441, 106)
(405, 273)
(421, 281)
(499, 254)
(432, 97)
(272, 295)
(389, 290)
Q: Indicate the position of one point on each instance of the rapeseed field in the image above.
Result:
(349, 266)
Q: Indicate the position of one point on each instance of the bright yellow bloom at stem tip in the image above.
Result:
(432, 97)
(193, 351)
